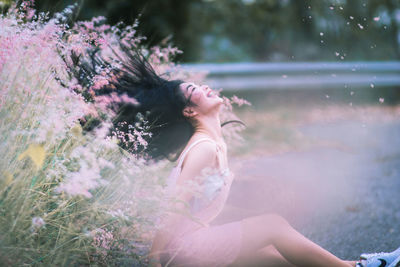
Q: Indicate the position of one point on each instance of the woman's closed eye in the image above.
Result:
(191, 87)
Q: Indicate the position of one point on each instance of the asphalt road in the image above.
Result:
(344, 197)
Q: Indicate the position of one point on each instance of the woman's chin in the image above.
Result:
(215, 106)
(217, 97)
(219, 101)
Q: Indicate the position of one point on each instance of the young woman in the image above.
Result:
(265, 240)
(186, 115)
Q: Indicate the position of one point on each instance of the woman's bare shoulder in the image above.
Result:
(202, 155)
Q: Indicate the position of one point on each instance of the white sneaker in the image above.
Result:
(382, 259)
(374, 262)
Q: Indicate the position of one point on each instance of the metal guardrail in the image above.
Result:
(298, 75)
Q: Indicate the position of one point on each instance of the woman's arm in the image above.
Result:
(199, 157)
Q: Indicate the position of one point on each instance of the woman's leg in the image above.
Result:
(266, 257)
(262, 231)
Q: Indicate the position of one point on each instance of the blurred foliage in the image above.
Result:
(259, 30)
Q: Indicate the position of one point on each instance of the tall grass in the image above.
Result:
(68, 198)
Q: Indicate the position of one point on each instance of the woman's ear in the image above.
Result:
(188, 112)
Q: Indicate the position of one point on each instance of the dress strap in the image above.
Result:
(184, 153)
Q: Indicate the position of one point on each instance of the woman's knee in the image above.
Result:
(275, 221)
(267, 226)
(276, 226)
(270, 221)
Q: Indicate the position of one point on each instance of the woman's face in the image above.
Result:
(204, 98)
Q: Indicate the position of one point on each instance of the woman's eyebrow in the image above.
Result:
(187, 88)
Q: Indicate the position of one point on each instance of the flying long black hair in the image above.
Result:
(159, 108)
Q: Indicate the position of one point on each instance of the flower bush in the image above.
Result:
(69, 198)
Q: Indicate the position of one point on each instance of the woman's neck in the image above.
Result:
(210, 126)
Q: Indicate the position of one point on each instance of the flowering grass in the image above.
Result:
(65, 198)
(68, 197)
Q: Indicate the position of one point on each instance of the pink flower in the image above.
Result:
(99, 81)
(127, 99)
(81, 182)
(103, 240)
(37, 223)
(239, 101)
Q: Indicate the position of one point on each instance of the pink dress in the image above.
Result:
(195, 242)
